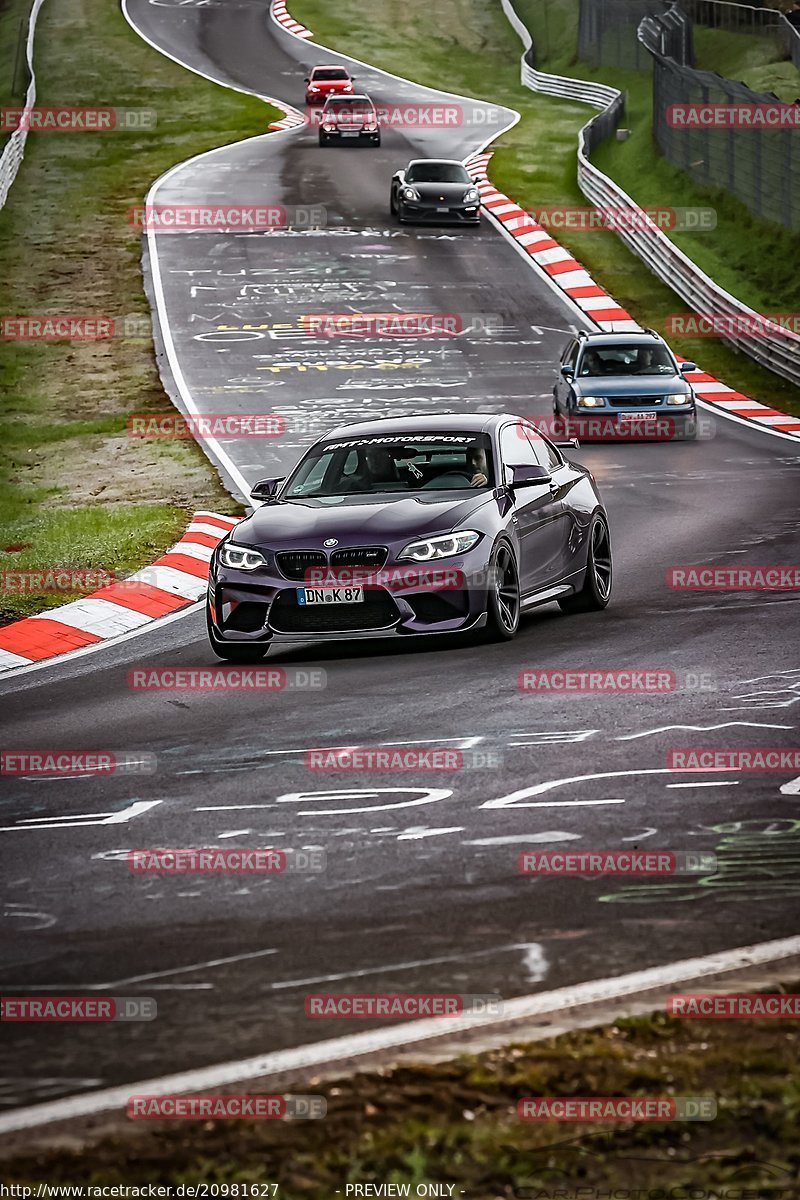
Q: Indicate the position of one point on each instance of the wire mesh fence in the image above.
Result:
(607, 29)
(759, 163)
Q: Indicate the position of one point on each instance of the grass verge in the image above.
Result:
(75, 491)
(468, 47)
(456, 1124)
(13, 31)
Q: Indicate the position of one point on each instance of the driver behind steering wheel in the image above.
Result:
(476, 457)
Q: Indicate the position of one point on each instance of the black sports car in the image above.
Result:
(434, 524)
(437, 190)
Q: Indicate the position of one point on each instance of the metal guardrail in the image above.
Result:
(14, 148)
(780, 352)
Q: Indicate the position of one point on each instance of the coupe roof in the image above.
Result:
(427, 162)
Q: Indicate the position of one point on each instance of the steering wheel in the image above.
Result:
(450, 479)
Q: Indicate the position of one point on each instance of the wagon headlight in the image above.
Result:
(442, 546)
(241, 558)
(471, 196)
(591, 401)
(410, 193)
(679, 398)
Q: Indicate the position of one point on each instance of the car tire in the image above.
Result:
(392, 204)
(323, 139)
(503, 601)
(595, 593)
(241, 652)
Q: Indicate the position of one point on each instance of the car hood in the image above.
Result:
(449, 192)
(359, 115)
(631, 385)
(355, 520)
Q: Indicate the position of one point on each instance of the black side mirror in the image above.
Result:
(687, 366)
(529, 476)
(567, 371)
(266, 489)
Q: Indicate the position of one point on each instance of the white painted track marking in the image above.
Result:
(398, 1037)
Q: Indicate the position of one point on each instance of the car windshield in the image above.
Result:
(433, 172)
(330, 73)
(394, 463)
(598, 361)
(350, 110)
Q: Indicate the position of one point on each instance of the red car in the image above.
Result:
(327, 81)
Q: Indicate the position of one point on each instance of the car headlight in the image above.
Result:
(472, 196)
(241, 558)
(442, 546)
(591, 401)
(312, 88)
(679, 398)
(410, 193)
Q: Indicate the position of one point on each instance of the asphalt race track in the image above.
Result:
(421, 892)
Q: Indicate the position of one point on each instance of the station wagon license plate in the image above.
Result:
(640, 416)
(330, 595)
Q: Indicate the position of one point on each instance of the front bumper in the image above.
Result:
(611, 424)
(455, 214)
(264, 609)
(351, 136)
